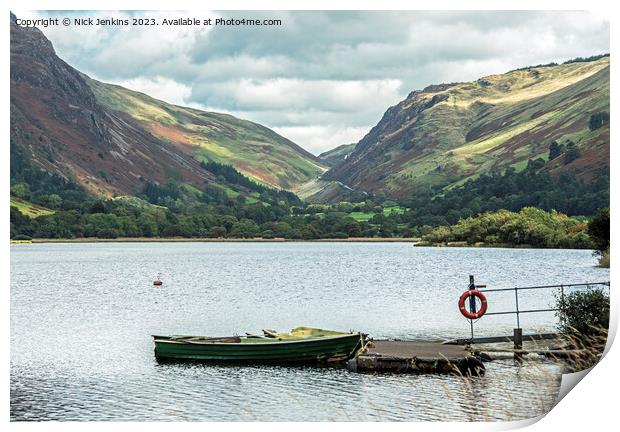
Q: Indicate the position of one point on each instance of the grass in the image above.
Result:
(366, 216)
(361, 216)
(603, 260)
(486, 144)
(231, 193)
(394, 209)
(29, 209)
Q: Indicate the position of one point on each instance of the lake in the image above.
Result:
(82, 316)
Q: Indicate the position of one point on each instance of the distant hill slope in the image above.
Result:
(111, 140)
(446, 134)
(336, 155)
(251, 148)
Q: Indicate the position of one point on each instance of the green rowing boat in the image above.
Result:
(301, 345)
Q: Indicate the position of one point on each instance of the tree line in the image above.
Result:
(247, 209)
(511, 190)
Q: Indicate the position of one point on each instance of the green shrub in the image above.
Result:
(267, 234)
(217, 232)
(107, 233)
(528, 227)
(603, 260)
(583, 313)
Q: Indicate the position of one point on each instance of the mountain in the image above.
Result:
(336, 155)
(253, 149)
(112, 141)
(446, 134)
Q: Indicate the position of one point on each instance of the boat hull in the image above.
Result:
(317, 350)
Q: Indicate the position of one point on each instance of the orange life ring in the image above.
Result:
(483, 304)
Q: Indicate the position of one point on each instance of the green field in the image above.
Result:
(361, 216)
(366, 216)
(29, 209)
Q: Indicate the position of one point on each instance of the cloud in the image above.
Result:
(322, 138)
(160, 88)
(321, 76)
(296, 94)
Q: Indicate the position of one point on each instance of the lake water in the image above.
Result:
(82, 316)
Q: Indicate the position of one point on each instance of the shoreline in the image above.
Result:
(482, 245)
(220, 240)
(415, 241)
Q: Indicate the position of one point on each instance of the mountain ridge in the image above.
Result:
(445, 134)
(111, 140)
(88, 132)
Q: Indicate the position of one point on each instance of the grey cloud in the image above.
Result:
(290, 76)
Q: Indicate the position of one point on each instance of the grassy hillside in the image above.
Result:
(110, 141)
(29, 209)
(446, 134)
(252, 149)
(328, 191)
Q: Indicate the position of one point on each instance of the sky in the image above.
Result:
(321, 78)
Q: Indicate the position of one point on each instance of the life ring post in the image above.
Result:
(470, 312)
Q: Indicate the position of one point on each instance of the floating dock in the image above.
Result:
(384, 356)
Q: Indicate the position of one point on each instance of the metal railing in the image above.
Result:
(518, 336)
(561, 287)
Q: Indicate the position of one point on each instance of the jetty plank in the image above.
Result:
(418, 349)
(385, 356)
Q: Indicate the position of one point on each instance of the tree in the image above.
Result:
(175, 230)
(20, 223)
(52, 201)
(598, 120)
(217, 232)
(598, 229)
(309, 232)
(107, 233)
(555, 150)
(147, 225)
(97, 207)
(21, 190)
(245, 228)
(572, 153)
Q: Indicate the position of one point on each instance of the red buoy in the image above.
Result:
(157, 282)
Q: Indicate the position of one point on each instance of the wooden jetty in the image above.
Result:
(465, 356)
(385, 356)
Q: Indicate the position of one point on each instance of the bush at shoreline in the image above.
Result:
(528, 227)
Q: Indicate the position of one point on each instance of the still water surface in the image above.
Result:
(82, 316)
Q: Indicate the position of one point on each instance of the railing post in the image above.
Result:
(472, 305)
(518, 332)
(517, 305)
(518, 344)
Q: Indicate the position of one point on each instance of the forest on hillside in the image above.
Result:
(65, 210)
